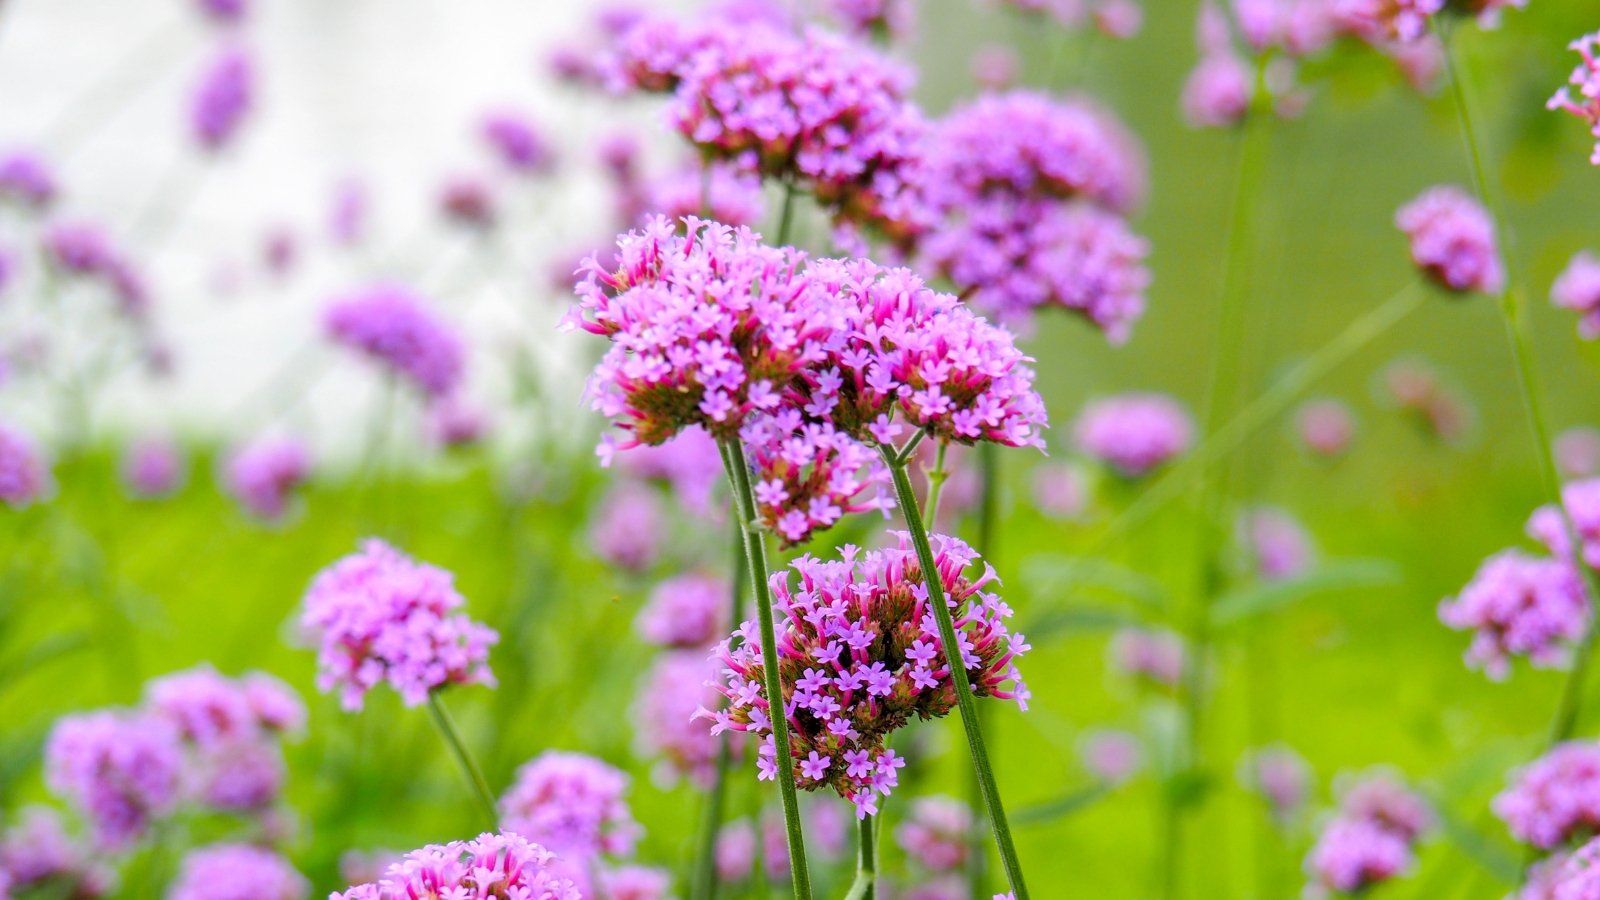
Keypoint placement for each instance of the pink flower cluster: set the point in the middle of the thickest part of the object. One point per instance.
(1519, 605)
(1371, 839)
(1326, 427)
(24, 475)
(379, 616)
(573, 804)
(1282, 778)
(1586, 79)
(1555, 798)
(1134, 433)
(1577, 452)
(677, 686)
(237, 872)
(1383, 21)
(1453, 240)
(719, 191)
(628, 527)
(395, 327)
(860, 655)
(222, 98)
(1576, 877)
(1578, 289)
(878, 19)
(935, 833)
(36, 851)
(25, 179)
(517, 143)
(231, 729)
(1158, 656)
(493, 865)
(686, 611)
(1279, 544)
(84, 251)
(153, 467)
(263, 475)
(122, 769)
(808, 475)
(814, 108)
(1111, 756)
(1582, 501)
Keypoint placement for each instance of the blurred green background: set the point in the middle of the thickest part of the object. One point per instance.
(100, 593)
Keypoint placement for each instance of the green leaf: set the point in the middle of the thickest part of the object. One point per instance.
(1061, 807)
(1078, 619)
(1260, 599)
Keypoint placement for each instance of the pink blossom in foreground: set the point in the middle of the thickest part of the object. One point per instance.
(935, 833)
(807, 477)
(1134, 433)
(237, 872)
(861, 655)
(395, 327)
(492, 865)
(572, 803)
(1453, 240)
(120, 769)
(1326, 427)
(1578, 288)
(686, 611)
(263, 475)
(380, 616)
(36, 851)
(1555, 798)
(1577, 452)
(24, 473)
(1585, 80)
(1582, 501)
(153, 467)
(674, 689)
(1519, 605)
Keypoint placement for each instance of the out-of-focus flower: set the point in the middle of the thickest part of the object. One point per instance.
(1578, 289)
(121, 769)
(995, 66)
(1453, 240)
(210, 710)
(689, 464)
(860, 656)
(1279, 544)
(717, 191)
(1111, 756)
(280, 249)
(1382, 21)
(1519, 605)
(456, 422)
(935, 833)
(224, 12)
(573, 804)
(493, 865)
(222, 98)
(379, 615)
(517, 143)
(882, 20)
(673, 690)
(360, 866)
(264, 474)
(470, 201)
(1060, 490)
(1582, 500)
(1217, 93)
(1575, 877)
(636, 883)
(394, 326)
(1326, 427)
(1555, 798)
(628, 528)
(347, 213)
(1113, 18)
(686, 611)
(36, 851)
(26, 179)
(153, 467)
(1416, 389)
(1134, 433)
(1352, 855)
(1281, 777)
(1577, 452)
(1158, 656)
(1382, 799)
(24, 474)
(237, 872)
(1586, 79)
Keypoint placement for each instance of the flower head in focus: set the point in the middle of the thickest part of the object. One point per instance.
(1586, 80)
(492, 865)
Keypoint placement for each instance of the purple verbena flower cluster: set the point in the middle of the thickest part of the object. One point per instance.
(1371, 840)
(517, 142)
(1519, 605)
(676, 687)
(380, 616)
(1134, 433)
(1582, 502)
(1555, 798)
(27, 180)
(153, 467)
(84, 251)
(807, 475)
(222, 98)
(231, 729)
(263, 475)
(492, 865)
(860, 655)
(1453, 240)
(121, 768)
(935, 833)
(1578, 289)
(1586, 80)
(24, 472)
(237, 872)
(573, 804)
(395, 327)
(1156, 656)
(686, 611)
(36, 852)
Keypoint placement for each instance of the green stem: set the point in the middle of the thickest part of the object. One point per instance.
(937, 476)
(865, 885)
(1514, 312)
(704, 886)
(958, 673)
(464, 761)
(786, 214)
(988, 515)
(755, 553)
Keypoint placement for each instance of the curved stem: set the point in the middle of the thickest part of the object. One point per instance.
(756, 556)
(704, 882)
(1514, 312)
(469, 767)
(865, 885)
(958, 673)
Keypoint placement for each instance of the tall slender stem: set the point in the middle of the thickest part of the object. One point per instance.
(464, 761)
(704, 883)
(865, 886)
(988, 515)
(786, 213)
(958, 673)
(755, 553)
(937, 476)
(1222, 391)
(1514, 311)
